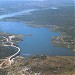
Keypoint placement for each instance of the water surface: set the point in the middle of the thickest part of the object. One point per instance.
(38, 43)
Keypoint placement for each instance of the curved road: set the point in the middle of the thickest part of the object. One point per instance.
(9, 40)
(7, 62)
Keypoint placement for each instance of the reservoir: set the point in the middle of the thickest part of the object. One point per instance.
(37, 44)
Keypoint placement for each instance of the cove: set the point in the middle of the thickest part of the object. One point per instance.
(37, 44)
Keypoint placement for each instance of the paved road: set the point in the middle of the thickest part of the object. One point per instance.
(7, 62)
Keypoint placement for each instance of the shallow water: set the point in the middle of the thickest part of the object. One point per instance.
(38, 43)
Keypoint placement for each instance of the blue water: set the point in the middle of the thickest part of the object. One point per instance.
(38, 43)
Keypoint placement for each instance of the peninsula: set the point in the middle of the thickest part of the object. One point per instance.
(7, 41)
(32, 65)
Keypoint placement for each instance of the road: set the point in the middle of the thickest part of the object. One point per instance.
(7, 62)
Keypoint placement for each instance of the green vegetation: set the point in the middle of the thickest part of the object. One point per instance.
(60, 20)
(62, 16)
(6, 51)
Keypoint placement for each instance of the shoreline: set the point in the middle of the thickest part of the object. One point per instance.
(8, 61)
(12, 45)
(37, 64)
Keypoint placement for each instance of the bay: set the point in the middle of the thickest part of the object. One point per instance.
(37, 44)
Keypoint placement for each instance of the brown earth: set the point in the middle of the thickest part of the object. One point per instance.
(45, 65)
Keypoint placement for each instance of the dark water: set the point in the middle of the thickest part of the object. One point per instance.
(38, 43)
